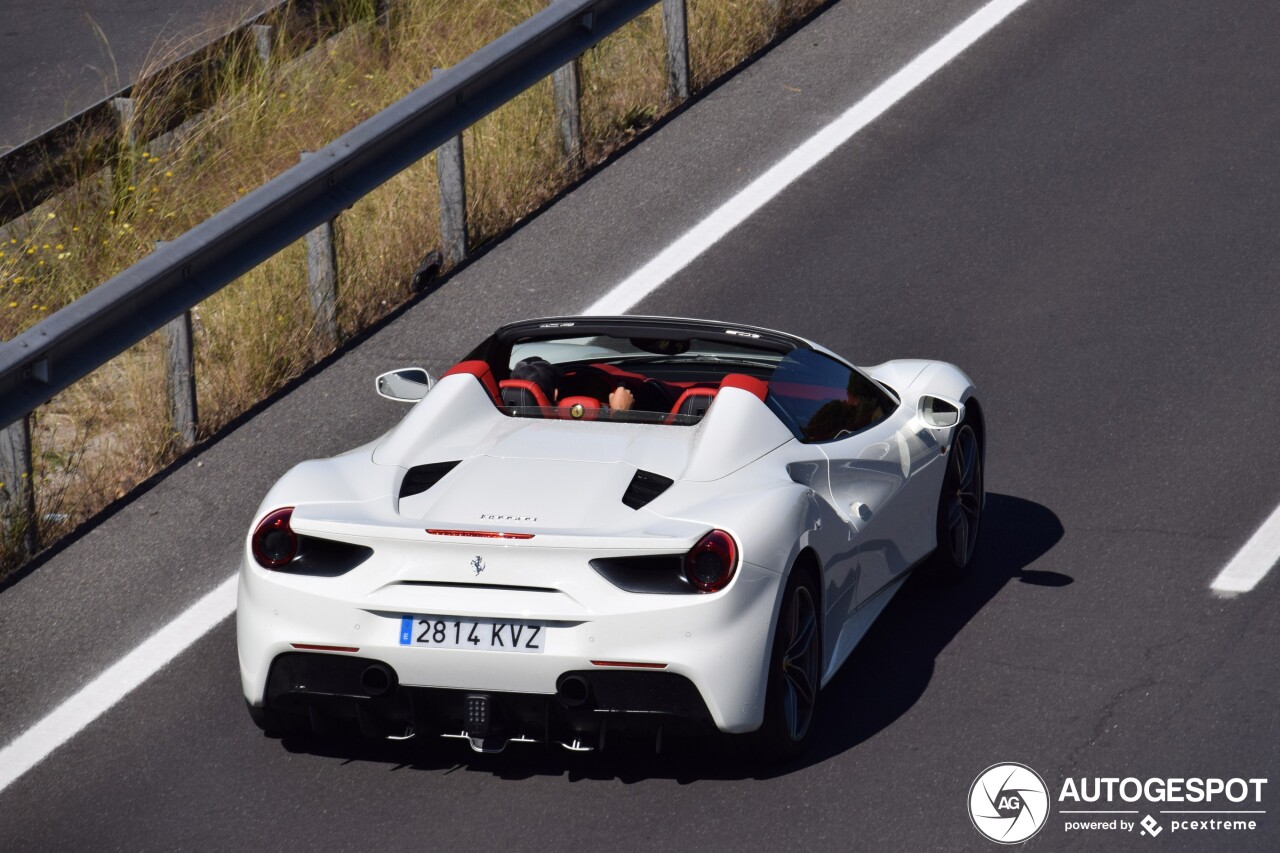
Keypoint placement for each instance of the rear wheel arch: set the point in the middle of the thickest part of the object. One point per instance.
(807, 561)
(973, 413)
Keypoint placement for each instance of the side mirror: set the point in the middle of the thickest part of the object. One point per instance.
(939, 412)
(406, 385)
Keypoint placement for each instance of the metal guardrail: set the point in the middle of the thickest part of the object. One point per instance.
(39, 168)
(158, 290)
(105, 322)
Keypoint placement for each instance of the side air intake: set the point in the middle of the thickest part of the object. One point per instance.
(422, 477)
(645, 486)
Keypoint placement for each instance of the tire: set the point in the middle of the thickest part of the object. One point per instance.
(960, 505)
(795, 673)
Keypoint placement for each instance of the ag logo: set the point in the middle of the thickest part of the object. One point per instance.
(1008, 803)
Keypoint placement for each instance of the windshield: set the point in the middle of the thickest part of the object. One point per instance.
(635, 380)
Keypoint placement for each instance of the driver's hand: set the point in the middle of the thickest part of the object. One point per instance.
(620, 399)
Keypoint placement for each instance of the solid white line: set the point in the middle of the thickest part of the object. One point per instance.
(1252, 562)
(755, 195)
(117, 681)
(33, 745)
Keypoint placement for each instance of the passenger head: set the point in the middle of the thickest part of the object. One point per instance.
(540, 372)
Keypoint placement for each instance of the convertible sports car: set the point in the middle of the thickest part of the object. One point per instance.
(520, 561)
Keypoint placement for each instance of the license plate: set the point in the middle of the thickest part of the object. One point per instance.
(489, 635)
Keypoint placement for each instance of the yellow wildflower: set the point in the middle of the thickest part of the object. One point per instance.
(168, 174)
(59, 247)
(51, 216)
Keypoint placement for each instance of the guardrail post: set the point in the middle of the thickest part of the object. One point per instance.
(180, 378)
(125, 111)
(322, 279)
(262, 43)
(17, 492)
(675, 23)
(565, 84)
(451, 175)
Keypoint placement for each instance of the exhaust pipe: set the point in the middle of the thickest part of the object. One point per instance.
(573, 691)
(378, 680)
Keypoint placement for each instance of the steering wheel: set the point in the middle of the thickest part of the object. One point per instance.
(579, 408)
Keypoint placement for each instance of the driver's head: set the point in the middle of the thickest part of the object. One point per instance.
(540, 372)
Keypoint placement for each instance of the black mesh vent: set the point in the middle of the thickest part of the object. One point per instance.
(645, 486)
(422, 477)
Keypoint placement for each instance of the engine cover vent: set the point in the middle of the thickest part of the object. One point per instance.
(645, 486)
(422, 477)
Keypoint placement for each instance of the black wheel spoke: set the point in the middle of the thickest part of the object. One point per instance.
(800, 642)
(801, 683)
(798, 663)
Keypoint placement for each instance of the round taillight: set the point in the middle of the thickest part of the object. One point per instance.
(274, 542)
(710, 564)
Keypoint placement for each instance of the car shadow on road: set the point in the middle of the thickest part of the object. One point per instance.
(884, 677)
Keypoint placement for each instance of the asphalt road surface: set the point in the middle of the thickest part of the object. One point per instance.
(59, 57)
(1080, 211)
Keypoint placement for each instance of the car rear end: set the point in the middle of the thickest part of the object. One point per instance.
(500, 630)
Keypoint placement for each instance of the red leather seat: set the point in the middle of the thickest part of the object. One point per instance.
(694, 401)
(480, 370)
(523, 393)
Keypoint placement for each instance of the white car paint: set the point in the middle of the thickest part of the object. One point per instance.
(865, 505)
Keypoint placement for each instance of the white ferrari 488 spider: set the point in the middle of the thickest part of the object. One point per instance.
(604, 523)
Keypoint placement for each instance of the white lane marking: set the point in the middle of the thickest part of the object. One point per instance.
(117, 681)
(33, 745)
(755, 195)
(1252, 562)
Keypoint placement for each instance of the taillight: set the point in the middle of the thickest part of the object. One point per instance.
(710, 564)
(274, 542)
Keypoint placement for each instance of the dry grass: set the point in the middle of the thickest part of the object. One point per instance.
(98, 439)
